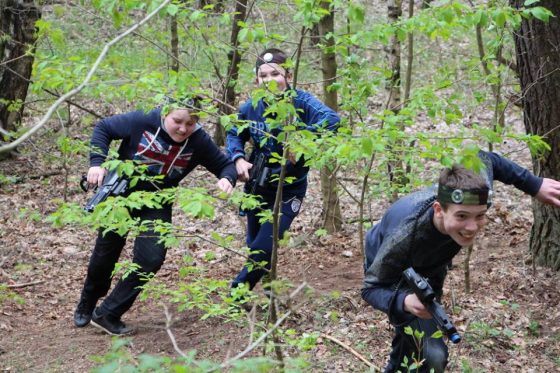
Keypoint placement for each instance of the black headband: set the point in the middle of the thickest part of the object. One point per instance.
(464, 196)
(270, 57)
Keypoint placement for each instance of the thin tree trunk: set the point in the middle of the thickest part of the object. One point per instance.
(395, 167)
(496, 87)
(409, 55)
(332, 217)
(174, 44)
(234, 58)
(538, 60)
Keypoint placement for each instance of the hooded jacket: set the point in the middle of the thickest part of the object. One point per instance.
(145, 141)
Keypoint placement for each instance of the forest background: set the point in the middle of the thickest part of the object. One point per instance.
(417, 84)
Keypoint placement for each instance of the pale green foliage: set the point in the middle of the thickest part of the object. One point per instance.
(7, 179)
(9, 296)
(413, 362)
(447, 91)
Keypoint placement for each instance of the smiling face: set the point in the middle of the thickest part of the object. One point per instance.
(461, 222)
(180, 124)
(272, 71)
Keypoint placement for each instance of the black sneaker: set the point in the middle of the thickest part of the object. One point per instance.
(84, 309)
(110, 324)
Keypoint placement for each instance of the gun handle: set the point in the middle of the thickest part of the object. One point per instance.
(84, 183)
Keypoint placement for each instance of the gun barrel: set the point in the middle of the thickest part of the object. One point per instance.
(426, 295)
(443, 322)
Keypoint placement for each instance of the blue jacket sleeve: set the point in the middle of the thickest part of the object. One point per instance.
(235, 140)
(314, 113)
(511, 173)
(108, 129)
(386, 300)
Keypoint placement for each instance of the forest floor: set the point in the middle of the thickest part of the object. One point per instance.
(509, 321)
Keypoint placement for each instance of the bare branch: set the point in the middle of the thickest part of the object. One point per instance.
(170, 333)
(25, 284)
(76, 90)
(351, 350)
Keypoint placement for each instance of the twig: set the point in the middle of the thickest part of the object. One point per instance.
(25, 284)
(351, 350)
(83, 108)
(46, 174)
(89, 76)
(170, 333)
(255, 344)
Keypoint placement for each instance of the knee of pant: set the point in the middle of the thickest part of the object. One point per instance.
(260, 251)
(152, 265)
(435, 355)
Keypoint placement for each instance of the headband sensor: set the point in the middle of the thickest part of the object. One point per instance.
(464, 196)
(269, 57)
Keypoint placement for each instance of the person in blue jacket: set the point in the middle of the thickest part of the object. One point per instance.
(312, 115)
(170, 142)
(425, 230)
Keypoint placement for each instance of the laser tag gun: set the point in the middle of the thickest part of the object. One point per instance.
(427, 296)
(258, 174)
(113, 185)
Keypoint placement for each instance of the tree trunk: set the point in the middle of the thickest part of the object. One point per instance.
(395, 167)
(234, 58)
(536, 45)
(17, 38)
(332, 217)
(174, 43)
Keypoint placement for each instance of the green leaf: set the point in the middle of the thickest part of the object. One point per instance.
(500, 18)
(541, 13)
(321, 232)
(172, 9)
(242, 36)
(356, 13)
(367, 145)
(530, 2)
(448, 15)
(437, 334)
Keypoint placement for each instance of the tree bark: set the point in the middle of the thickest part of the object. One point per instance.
(234, 58)
(537, 44)
(332, 217)
(174, 43)
(395, 167)
(17, 38)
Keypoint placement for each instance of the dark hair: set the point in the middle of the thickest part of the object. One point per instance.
(276, 56)
(459, 185)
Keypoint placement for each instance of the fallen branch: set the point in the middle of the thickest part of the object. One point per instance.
(66, 96)
(351, 350)
(25, 284)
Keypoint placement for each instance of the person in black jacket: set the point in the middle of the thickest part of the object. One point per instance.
(425, 230)
(170, 142)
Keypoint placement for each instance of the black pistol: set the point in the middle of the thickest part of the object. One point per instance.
(113, 185)
(427, 296)
(258, 174)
